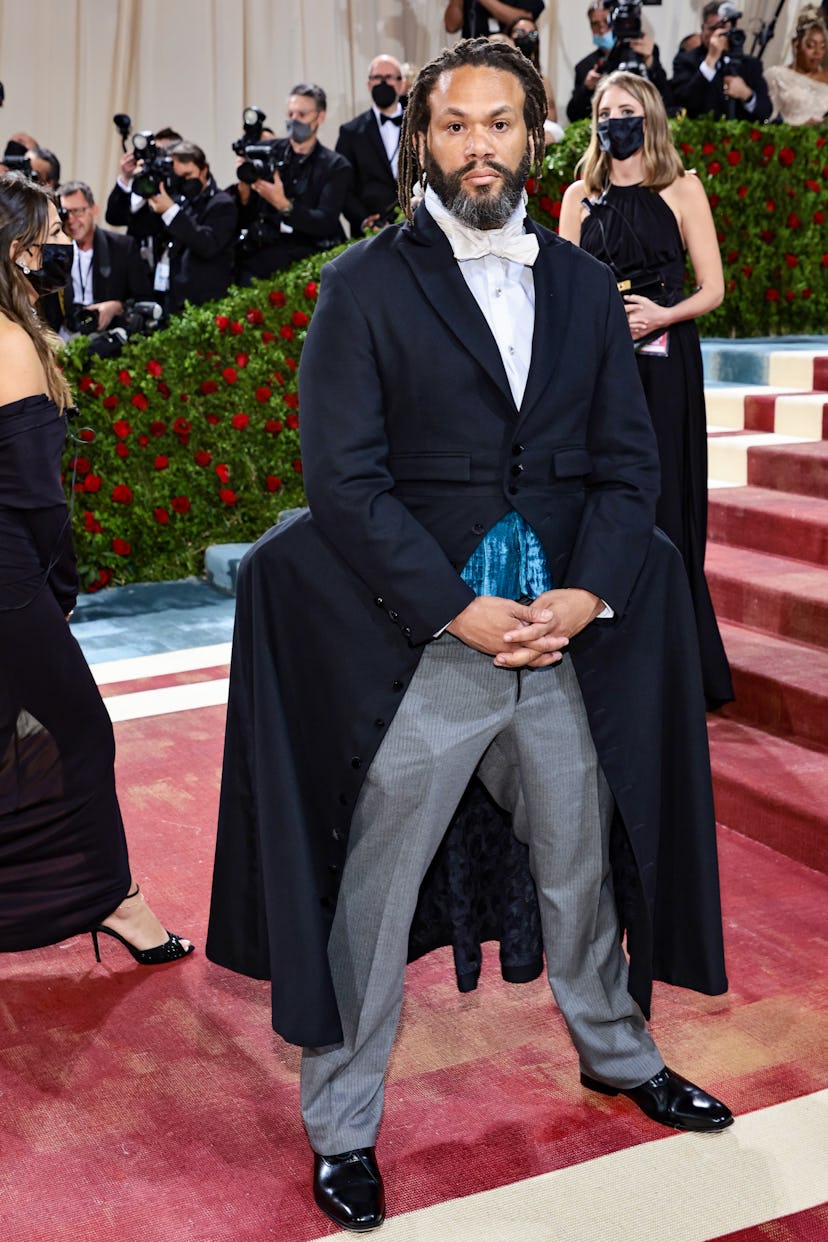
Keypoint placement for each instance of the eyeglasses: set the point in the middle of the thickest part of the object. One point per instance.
(74, 211)
(385, 77)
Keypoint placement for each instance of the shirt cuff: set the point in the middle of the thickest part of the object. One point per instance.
(126, 186)
(606, 613)
(169, 215)
(750, 106)
(706, 71)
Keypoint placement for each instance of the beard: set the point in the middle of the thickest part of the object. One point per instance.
(486, 207)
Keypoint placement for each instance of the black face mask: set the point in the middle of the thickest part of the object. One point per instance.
(187, 188)
(527, 43)
(55, 269)
(383, 94)
(622, 136)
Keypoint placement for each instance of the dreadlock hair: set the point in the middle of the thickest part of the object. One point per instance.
(479, 54)
(24, 218)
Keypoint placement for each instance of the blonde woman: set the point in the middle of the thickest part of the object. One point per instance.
(638, 210)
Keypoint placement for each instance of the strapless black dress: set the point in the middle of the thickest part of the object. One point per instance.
(638, 230)
(63, 854)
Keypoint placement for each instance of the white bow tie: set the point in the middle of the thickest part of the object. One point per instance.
(476, 243)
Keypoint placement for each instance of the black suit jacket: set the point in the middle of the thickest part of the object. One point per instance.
(374, 186)
(202, 237)
(691, 89)
(412, 449)
(579, 107)
(476, 18)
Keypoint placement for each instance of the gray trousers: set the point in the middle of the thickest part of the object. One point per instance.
(527, 736)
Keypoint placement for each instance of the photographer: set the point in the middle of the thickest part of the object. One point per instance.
(613, 53)
(127, 209)
(200, 223)
(106, 267)
(371, 145)
(299, 194)
(717, 77)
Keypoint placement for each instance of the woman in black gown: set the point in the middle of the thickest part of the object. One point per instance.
(63, 856)
(637, 209)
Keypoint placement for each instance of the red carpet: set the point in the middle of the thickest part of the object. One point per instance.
(157, 1106)
(802, 1227)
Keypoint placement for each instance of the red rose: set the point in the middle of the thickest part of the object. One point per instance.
(82, 465)
(254, 316)
(121, 428)
(121, 449)
(742, 191)
(299, 319)
(227, 496)
(157, 428)
(92, 483)
(556, 210)
(154, 368)
(312, 288)
(297, 466)
(273, 483)
(278, 377)
(85, 383)
(771, 295)
(292, 421)
(86, 434)
(531, 185)
(290, 363)
(139, 401)
(819, 217)
(821, 142)
(786, 156)
(161, 462)
(111, 402)
(181, 427)
(267, 337)
(789, 295)
(98, 389)
(242, 360)
(208, 386)
(734, 157)
(708, 148)
(732, 256)
(181, 504)
(286, 332)
(546, 204)
(687, 149)
(163, 389)
(813, 185)
(91, 523)
(223, 472)
(273, 426)
(747, 271)
(714, 168)
(768, 150)
(124, 378)
(714, 200)
(222, 323)
(794, 221)
(291, 399)
(143, 441)
(755, 135)
(161, 515)
(791, 260)
(263, 394)
(213, 419)
(806, 293)
(240, 421)
(202, 457)
(121, 494)
(120, 547)
(770, 205)
(236, 328)
(766, 235)
(276, 297)
(230, 375)
(184, 396)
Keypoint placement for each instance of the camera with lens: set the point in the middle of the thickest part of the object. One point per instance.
(82, 319)
(625, 23)
(155, 165)
(259, 161)
(137, 318)
(732, 60)
(19, 163)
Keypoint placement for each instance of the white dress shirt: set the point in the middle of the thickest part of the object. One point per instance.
(390, 135)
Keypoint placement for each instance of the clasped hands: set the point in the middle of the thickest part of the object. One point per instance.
(643, 315)
(525, 635)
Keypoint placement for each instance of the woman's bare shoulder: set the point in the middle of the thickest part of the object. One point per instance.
(21, 371)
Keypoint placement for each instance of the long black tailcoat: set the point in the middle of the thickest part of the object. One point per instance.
(413, 449)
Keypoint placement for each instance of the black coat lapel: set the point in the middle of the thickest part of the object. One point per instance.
(428, 253)
(553, 295)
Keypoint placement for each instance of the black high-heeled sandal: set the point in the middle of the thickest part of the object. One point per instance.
(170, 951)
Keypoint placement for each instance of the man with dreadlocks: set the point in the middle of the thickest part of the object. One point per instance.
(477, 589)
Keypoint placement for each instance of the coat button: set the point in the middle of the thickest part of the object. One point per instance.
(379, 722)
(356, 762)
(379, 601)
(516, 470)
(478, 529)
(336, 833)
(395, 616)
(397, 685)
(517, 449)
(407, 631)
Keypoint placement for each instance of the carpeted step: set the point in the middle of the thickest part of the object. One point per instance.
(770, 593)
(780, 685)
(800, 468)
(771, 790)
(728, 451)
(804, 369)
(770, 521)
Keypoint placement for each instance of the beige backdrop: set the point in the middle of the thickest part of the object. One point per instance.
(69, 65)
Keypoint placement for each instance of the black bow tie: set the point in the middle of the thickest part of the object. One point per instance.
(394, 120)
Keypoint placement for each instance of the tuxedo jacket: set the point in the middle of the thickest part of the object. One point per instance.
(692, 91)
(374, 186)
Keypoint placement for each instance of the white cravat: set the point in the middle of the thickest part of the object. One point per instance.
(508, 242)
(501, 285)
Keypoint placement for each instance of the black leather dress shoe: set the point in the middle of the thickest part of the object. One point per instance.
(672, 1100)
(348, 1188)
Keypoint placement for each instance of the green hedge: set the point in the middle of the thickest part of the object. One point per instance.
(196, 427)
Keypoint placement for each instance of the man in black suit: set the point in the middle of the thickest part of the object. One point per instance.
(608, 55)
(705, 82)
(132, 212)
(482, 474)
(107, 268)
(296, 211)
(200, 225)
(371, 145)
